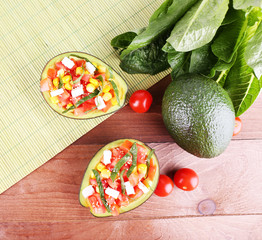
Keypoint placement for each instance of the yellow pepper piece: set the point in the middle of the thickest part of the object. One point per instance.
(92, 175)
(94, 82)
(114, 101)
(54, 100)
(66, 79)
(107, 96)
(90, 87)
(106, 89)
(101, 69)
(56, 82)
(105, 173)
(69, 105)
(142, 168)
(79, 70)
(68, 86)
(100, 166)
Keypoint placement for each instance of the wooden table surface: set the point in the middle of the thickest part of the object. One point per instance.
(44, 205)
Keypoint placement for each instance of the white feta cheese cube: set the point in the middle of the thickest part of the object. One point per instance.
(107, 157)
(77, 91)
(90, 67)
(112, 192)
(100, 104)
(143, 187)
(88, 191)
(57, 92)
(129, 188)
(60, 72)
(68, 63)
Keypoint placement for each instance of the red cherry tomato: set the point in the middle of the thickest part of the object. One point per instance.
(186, 179)
(165, 186)
(140, 101)
(238, 126)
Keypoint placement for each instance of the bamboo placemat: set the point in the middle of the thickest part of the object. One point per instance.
(32, 32)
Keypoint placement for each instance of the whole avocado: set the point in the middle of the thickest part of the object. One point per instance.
(199, 115)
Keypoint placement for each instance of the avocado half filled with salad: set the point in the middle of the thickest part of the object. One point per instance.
(81, 86)
(120, 177)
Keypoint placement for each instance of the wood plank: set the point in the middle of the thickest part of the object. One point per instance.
(149, 127)
(230, 227)
(233, 180)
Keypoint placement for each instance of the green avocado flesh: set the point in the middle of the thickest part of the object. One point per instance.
(92, 165)
(118, 80)
(199, 115)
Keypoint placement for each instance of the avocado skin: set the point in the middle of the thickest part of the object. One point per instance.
(199, 115)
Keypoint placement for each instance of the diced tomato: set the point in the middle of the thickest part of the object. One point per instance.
(75, 100)
(117, 154)
(79, 111)
(115, 185)
(122, 200)
(86, 77)
(59, 65)
(112, 204)
(127, 144)
(134, 179)
(141, 154)
(64, 98)
(80, 63)
(151, 171)
(51, 73)
(93, 182)
(138, 193)
(96, 204)
(46, 84)
(108, 105)
(103, 75)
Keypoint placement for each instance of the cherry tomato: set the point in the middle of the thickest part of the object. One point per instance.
(140, 101)
(165, 186)
(186, 179)
(238, 126)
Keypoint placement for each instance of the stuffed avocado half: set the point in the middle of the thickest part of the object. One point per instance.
(120, 177)
(79, 85)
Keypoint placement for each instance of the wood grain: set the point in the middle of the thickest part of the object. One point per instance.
(44, 205)
(198, 228)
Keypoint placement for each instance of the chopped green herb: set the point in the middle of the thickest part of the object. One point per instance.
(81, 101)
(79, 79)
(148, 160)
(123, 188)
(113, 84)
(118, 166)
(60, 82)
(101, 190)
(100, 78)
(133, 151)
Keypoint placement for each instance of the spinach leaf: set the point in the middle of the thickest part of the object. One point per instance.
(244, 4)
(159, 25)
(231, 16)
(182, 66)
(123, 40)
(161, 10)
(149, 59)
(230, 38)
(202, 60)
(253, 53)
(199, 25)
(241, 84)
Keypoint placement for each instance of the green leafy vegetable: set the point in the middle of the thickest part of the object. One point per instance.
(199, 25)
(241, 84)
(253, 53)
(244, 4)
(101, 190)
(230, 38)
(133, 151)
(161, 22)
(123, 40)
(118, 166)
